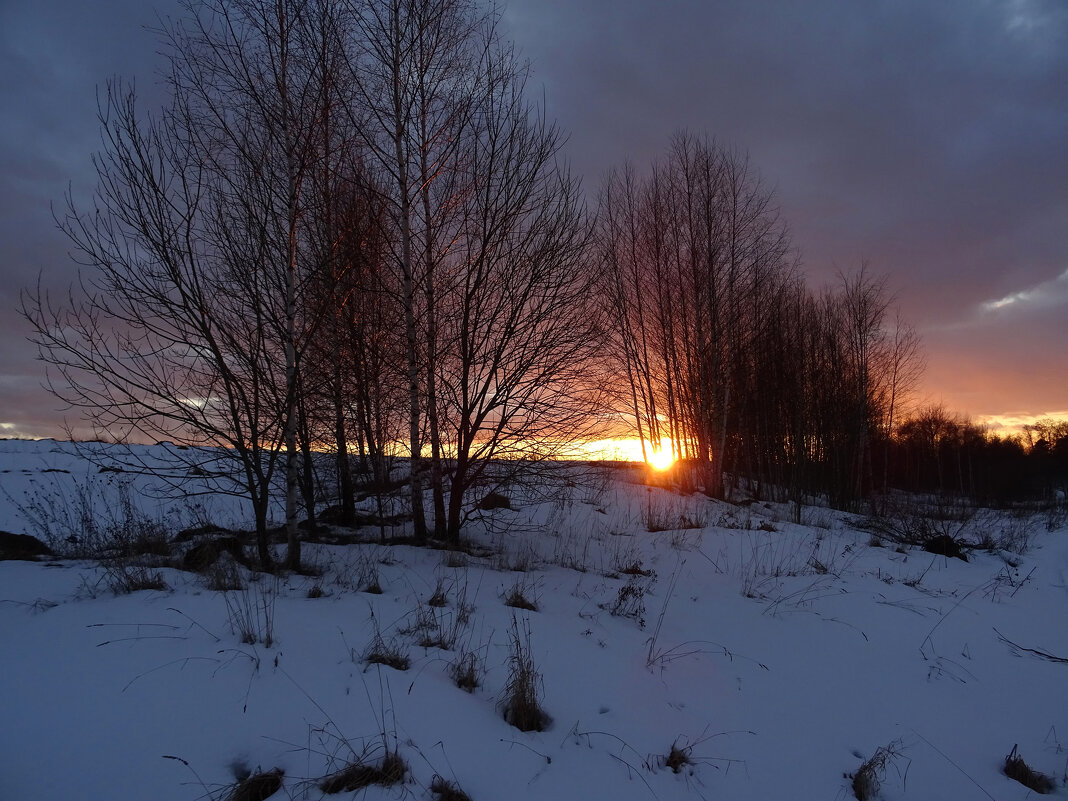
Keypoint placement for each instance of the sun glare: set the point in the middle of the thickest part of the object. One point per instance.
(661, 458)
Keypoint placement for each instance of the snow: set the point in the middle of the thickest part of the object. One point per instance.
(778, 657)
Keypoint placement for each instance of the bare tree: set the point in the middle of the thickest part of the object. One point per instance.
(196, 304)
(692, 255)
(410, 76)
(517, 358)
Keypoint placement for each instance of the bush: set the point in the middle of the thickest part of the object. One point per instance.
(22, 547)
(95, 519)
(435, 627)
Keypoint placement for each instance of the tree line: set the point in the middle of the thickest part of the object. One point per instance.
(721, 346)
(350, 231)
(935, 452)
(762, 386)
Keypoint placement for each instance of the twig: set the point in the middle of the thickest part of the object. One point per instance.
(1036, 651)
(168, 664)
(636, 772)
(954, 764)
(183, 614)
(651, 656)
(548, 759)
(207, 792)
(144, 637)
(942, 620)
(1025, 580)
(623, 743)
(138, 625)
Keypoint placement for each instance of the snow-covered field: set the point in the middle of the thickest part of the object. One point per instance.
(774, 658)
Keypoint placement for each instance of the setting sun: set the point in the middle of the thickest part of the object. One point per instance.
(662, 457)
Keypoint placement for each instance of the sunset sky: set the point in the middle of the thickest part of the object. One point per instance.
(930, 139)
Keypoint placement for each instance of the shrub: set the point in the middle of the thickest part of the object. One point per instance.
(1014, 535)
(455, 559)
(22, 547)
(379, 652)
(657, 517)
(223, 575)
(439, 598)
(494, 500)
(360, 574)
(633, 568)
(94, 519)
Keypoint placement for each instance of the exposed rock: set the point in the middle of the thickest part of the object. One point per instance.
(22, 546)
(944, 545)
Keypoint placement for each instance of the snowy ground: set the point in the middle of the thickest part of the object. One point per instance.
(776, 658)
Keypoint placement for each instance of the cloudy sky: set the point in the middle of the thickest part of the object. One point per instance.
(928, 138)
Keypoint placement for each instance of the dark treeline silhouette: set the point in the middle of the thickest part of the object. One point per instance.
(762, 384)
(719, 345)
(934, 452)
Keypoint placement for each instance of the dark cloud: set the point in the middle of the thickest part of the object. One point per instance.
(54, 54)
(928, 138)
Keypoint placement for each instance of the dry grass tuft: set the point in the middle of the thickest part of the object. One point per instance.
(521, 701)
(440, 597)
(447, 791)
(677, 758)
(1016, 768)
(630, 601)
(223, 575)
(390, 771)
(466, 671)
(380, 652)
(869, 777)
(517, 599)
(124, 578)
(258, 786)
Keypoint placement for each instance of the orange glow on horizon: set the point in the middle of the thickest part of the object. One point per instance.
(628, 449)
(661, 458)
